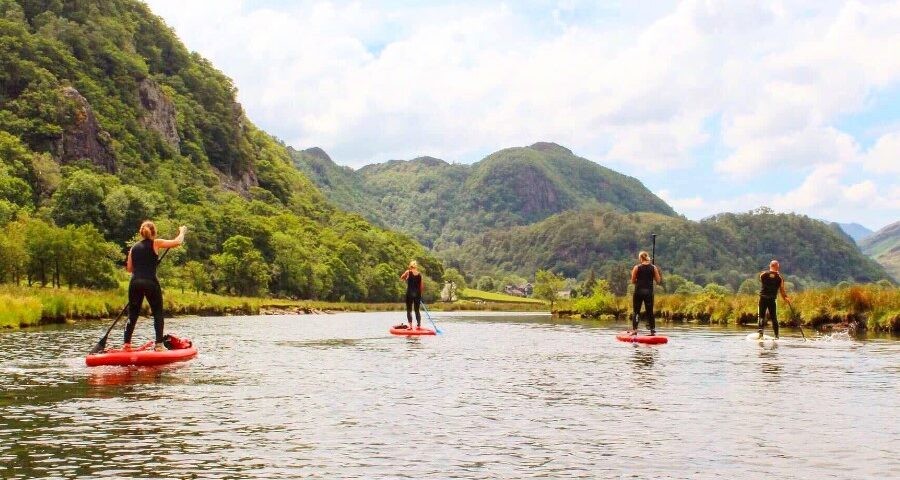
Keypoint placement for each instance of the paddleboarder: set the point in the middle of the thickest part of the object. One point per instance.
(143, 259)
(771, 284)
(642, 276)
(415, 287)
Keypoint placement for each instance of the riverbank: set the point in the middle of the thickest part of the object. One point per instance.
(858, 307)
(29, 306)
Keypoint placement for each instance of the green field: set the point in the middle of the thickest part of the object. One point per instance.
(472, 294)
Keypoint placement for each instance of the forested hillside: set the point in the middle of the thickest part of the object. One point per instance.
(884, 247)
(443, 204)
(725, 249)
(106, 119)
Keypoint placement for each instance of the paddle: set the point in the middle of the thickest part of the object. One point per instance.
(653, 280)
(436, 329)
(101, 345)
(799, 322)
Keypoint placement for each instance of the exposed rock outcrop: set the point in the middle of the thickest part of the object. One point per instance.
(158, 112)
(84, 138)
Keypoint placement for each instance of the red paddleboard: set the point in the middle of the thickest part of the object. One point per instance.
(412, 331)
(143, 356)
(648, 339)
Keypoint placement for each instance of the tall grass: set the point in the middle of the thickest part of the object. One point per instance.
(18, 312)
(25, 306)
(866, 306)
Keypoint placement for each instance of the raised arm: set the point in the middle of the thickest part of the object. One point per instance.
(405, 275)
(175, 242)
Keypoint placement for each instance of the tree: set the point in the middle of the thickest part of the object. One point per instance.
(485, 284)
(717, 289)
(126, 207)
(749, 286)
(587, 288)
(293, 265)
(618, 276)
(195, 274)
(688, 288)
(79, 199)
(673, 282)
(240, 268)
(547, 286)
(14, 256)
(383, 284)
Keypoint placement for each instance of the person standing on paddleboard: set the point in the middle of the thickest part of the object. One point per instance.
(415, 287)
(771, 284)
(143, 259)
(642, 276)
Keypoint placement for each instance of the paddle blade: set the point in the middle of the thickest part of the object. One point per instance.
(100, 346)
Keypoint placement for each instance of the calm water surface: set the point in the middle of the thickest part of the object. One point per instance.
(495, 397)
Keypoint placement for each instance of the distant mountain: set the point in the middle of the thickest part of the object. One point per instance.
(442, 204)
(856, 231)
(884, 247)
(725, 249)
(528, 208)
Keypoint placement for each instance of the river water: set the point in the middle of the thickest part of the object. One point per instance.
(496, 396)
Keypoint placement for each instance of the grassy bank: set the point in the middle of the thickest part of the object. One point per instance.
(863, 306)
(27, 306)
(479, 295)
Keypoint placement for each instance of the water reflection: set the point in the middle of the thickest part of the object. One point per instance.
(118, 376)
(644, 358)
(770, 364)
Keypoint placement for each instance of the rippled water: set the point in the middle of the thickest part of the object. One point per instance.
(495, 397)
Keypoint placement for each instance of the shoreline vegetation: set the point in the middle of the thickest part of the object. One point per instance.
(856, 308)
(22, 306)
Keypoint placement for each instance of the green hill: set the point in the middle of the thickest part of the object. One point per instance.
(725, 249)
(107, 119)
(443, 204)
(884, 247)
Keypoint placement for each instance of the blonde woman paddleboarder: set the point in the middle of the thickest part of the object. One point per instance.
(415, 287)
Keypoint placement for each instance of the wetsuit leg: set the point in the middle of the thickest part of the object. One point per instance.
(154, 298)
(417, 301)
(767, 304)
(409, 305)
(135, 299)
(651, 318)
(636, 309)
(774, 314)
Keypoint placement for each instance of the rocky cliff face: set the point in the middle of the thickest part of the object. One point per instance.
(84, 138)
(158, 112)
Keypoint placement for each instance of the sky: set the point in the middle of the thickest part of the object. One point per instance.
(714, 105)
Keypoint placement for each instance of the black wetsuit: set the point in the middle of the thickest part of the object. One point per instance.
(643, 294)
(144, 284)
(770, 286)
(413, 297)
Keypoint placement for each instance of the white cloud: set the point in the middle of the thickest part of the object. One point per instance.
(768, 83)
(884, 156)
(823, 194)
